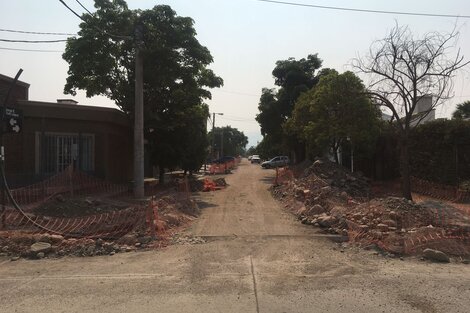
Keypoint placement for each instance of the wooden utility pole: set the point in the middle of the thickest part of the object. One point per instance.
(139, 118)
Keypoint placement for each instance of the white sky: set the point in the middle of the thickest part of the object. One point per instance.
(245, 37)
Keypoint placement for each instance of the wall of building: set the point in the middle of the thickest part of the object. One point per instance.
(112, 140)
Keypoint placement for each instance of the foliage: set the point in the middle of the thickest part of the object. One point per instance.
(441, 151)
(336, 110)
(293, 77)
(176, 75)
(403, 70)
(462, 111)
(229, 140)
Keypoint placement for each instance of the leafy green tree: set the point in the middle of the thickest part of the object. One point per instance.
(176, 74)
(293, 78)
(230, 141)
(335, 111)
(463, 111)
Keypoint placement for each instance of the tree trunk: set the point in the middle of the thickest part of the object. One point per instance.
(161, 175)
(405, 169)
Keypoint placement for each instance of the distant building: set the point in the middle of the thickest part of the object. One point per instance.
(58, 134)
(423, 112)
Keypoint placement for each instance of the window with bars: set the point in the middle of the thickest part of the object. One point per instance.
(57, 151)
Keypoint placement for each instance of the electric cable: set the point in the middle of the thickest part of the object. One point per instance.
(78, 1)
(30, 50)
(33, 41)
(35, 33)
(363, 10)
(97, 28)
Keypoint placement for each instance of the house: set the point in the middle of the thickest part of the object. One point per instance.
(56, 135)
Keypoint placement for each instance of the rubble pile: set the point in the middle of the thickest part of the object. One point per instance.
(170, 211)
(330, 197)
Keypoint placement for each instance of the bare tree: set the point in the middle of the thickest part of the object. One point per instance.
(403, 70)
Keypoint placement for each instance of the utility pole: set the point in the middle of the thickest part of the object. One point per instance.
(139, 117)
(222, 143)
(213, 134)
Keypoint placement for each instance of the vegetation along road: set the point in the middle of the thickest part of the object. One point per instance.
(254, 258)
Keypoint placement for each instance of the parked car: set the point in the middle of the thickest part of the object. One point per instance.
(255, 159)
(224, 159)
(278, 161)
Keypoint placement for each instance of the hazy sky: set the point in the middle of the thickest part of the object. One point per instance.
(245, 37)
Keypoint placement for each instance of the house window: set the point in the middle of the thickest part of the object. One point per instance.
(57, 151)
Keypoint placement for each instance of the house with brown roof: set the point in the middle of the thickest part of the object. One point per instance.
(55, 135)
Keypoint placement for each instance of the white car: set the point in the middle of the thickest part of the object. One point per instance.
(255, 159)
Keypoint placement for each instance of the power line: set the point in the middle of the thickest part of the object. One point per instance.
(71, 10)
(97, 28)
(364, 10)
(32, 41)
(78, 1)
(30, 50)
(35, 33)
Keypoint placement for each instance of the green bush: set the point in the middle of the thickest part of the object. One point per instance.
(440, 151)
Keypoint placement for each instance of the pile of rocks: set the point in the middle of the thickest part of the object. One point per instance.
(40, 246)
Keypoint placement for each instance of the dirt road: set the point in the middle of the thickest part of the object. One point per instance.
(256, 258)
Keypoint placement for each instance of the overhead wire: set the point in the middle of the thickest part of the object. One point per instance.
(97, 28)
(363, 10)
(32, 41)
(36, 33)
(78, 1)
(30, 50)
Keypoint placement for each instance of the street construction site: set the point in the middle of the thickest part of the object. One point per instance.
(75, 214)
(239, 250)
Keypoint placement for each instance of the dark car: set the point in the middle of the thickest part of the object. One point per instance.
(223, 160)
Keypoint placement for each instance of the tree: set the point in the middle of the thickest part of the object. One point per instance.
(463, 111)
(230, 141)
(176, 75)
(336, 110)
(404, 70)
(293, 78)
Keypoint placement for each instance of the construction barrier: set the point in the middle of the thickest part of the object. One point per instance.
(121, 219)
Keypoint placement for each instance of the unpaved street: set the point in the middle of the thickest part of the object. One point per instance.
(256, 258)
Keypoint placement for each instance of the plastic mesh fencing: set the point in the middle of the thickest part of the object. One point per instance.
(114, 223)
(447, 230)
(283, 175)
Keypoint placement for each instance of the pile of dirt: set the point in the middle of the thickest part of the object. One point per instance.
(170, 211)
(328, 196)
(60, 206)
(323, 186)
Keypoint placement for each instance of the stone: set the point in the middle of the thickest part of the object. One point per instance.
(40, 255)
(382, 227)
(15, 258)
(316, 209)
(112, 253)
(40, 247)
(51, 238)
(5, 248)
(326, 221)
(144, 239)
(99, 242)
(390, 223)
(436, 255)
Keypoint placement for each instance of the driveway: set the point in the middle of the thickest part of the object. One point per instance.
(256, 258)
